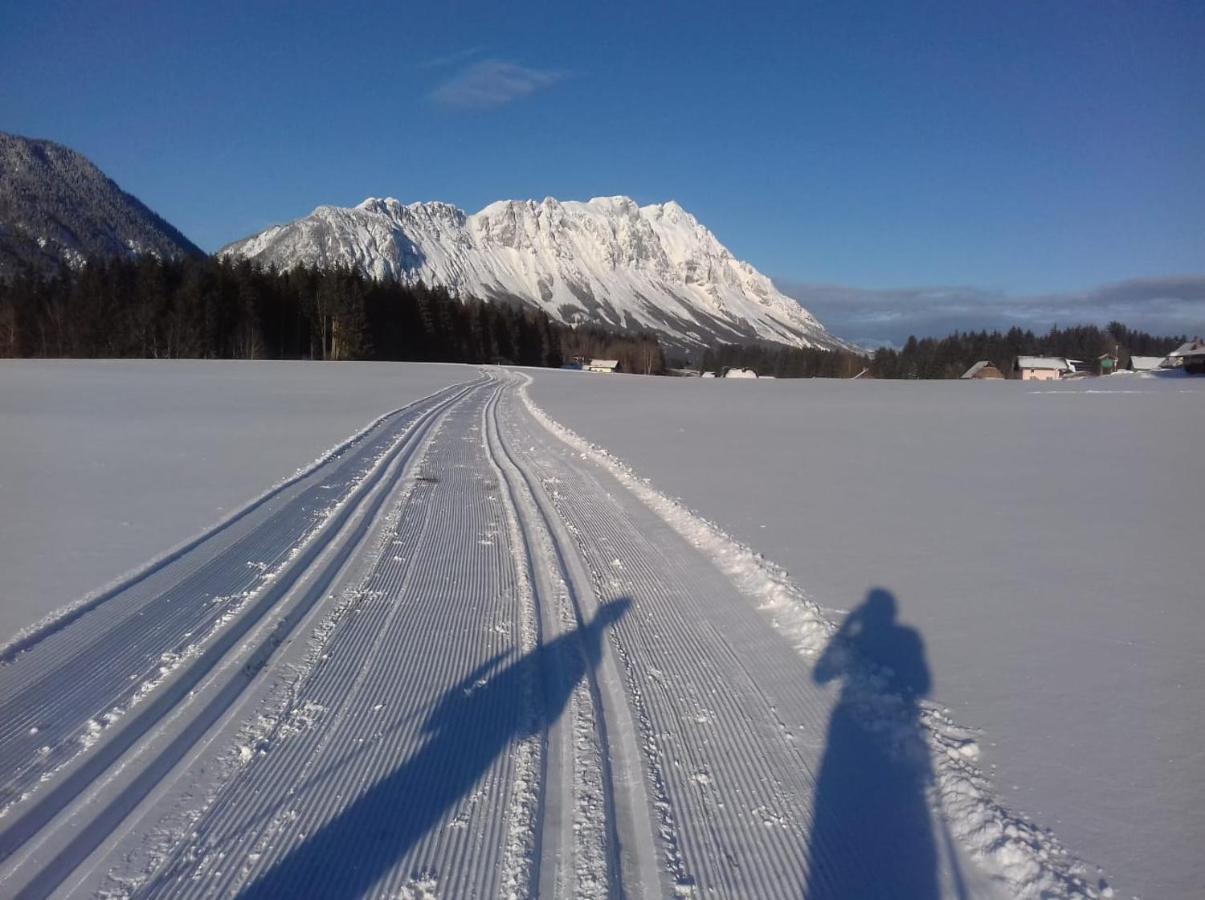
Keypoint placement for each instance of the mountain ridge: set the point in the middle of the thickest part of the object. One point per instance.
(604, 261)
(57, 206)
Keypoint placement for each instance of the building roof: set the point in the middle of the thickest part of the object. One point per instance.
(977, 368)
(1043, 362)
(604, 363)
(1194, 347)
(1145, 363)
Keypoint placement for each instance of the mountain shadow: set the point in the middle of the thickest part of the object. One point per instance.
(472, 725)
(872, 834)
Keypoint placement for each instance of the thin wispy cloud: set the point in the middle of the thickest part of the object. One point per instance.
(451, 59)
(491, 83)
(1170, 305)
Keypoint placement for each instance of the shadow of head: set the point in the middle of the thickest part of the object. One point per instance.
(892, 651)
(492, 683)
(611, 612)
(877, 611)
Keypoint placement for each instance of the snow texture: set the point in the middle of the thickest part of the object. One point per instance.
(106, 464)
(1043, 542)
(605, 261)
(569, 683)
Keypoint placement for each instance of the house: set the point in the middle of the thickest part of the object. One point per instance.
(737, 372)
(1146, 363)
(1041, 368)
(606, 366)
(1106, 363)
(983, 370)
(1190, 355)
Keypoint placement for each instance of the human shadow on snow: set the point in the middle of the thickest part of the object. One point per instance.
(471, 726)
(872, 834)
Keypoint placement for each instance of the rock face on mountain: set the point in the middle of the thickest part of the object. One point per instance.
(56, 206)
(606, 261)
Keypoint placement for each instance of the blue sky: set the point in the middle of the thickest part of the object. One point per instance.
(1010, 151)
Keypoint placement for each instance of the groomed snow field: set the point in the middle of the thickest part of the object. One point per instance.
(105, 464)
(1044, 539)
(406, 631)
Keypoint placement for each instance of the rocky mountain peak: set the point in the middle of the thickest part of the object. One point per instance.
(607, 260)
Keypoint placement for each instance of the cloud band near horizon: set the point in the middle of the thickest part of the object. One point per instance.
(1171, 305)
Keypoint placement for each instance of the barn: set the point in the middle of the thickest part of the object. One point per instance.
(1190, 355)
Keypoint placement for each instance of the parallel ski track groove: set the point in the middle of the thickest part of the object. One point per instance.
(632, 847)
(369, 615)
(562, 762)
(58, 622)
(160, 704)
(446, 552)
(756, 845)
(95, 666)
(614, 871)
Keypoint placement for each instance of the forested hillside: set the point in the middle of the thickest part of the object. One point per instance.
(209, 308)
(56, 206)
(212, 308)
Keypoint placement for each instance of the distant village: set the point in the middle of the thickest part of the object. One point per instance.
(610, 366)
(1188, 359)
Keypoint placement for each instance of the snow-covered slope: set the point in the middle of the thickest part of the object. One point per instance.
(606, 261)
(56, 206)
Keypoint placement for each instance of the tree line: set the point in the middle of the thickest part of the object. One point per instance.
(209, 308)
(950, 356)
(946, 357)
(780, 361)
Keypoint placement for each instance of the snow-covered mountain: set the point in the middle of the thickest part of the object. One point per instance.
(55, 205)
(606, 261)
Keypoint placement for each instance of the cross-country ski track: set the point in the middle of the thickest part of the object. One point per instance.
(469, 655)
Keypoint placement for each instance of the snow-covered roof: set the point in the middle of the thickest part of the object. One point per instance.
(977, 368)
(1044, 362)
(1145, 363)
(604, 363)
(1192, 348)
